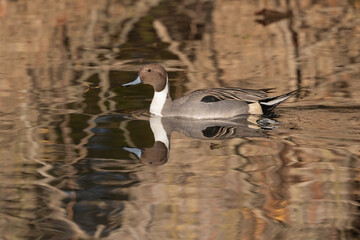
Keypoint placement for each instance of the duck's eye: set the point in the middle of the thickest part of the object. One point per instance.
(149, 70)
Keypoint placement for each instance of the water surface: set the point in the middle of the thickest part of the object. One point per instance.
(67, 126)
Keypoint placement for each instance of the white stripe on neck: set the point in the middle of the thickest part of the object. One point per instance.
(158, 130)
(159, 100)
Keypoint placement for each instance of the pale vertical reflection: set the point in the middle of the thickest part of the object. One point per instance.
(105, 93)
(106, 105)
(163, 34)
(123, 125)
(81, 150)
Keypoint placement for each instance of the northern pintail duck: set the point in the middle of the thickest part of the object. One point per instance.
(215, 103)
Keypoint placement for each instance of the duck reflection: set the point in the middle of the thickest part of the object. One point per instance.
(155, 155)
(162, 129)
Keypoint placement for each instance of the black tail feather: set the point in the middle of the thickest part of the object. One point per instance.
(268, 104)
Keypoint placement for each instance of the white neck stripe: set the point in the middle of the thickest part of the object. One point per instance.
(159, 100)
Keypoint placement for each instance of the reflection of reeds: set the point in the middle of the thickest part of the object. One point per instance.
(270, 189)
(243, 190)
(40, 44)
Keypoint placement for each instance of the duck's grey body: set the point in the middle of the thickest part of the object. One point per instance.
(215, 103)
(192, 106)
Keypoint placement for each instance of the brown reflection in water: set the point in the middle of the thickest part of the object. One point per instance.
(245, 190)
(236, 51)
(45, 47)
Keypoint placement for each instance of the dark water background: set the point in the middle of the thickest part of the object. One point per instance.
(65, 120)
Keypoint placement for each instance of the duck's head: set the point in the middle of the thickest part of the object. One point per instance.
(152, 74)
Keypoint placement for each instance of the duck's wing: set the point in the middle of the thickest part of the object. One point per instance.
(238, 94)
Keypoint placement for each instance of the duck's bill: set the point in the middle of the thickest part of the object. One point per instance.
(136, 151)
(136, 81)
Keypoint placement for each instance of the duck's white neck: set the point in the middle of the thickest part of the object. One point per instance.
(159, 100)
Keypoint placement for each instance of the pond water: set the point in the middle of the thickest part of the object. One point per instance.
(79, 158)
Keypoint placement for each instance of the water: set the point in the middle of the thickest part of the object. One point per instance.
(68, 128)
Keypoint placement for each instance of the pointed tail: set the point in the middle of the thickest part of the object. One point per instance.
(268, 104)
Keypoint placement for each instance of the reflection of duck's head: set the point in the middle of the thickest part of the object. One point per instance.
(155, 155)
(158, 154)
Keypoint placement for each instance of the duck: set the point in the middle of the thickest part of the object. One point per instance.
(214, 103)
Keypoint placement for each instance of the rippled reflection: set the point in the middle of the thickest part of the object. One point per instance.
(162, 129)
(65, 131)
